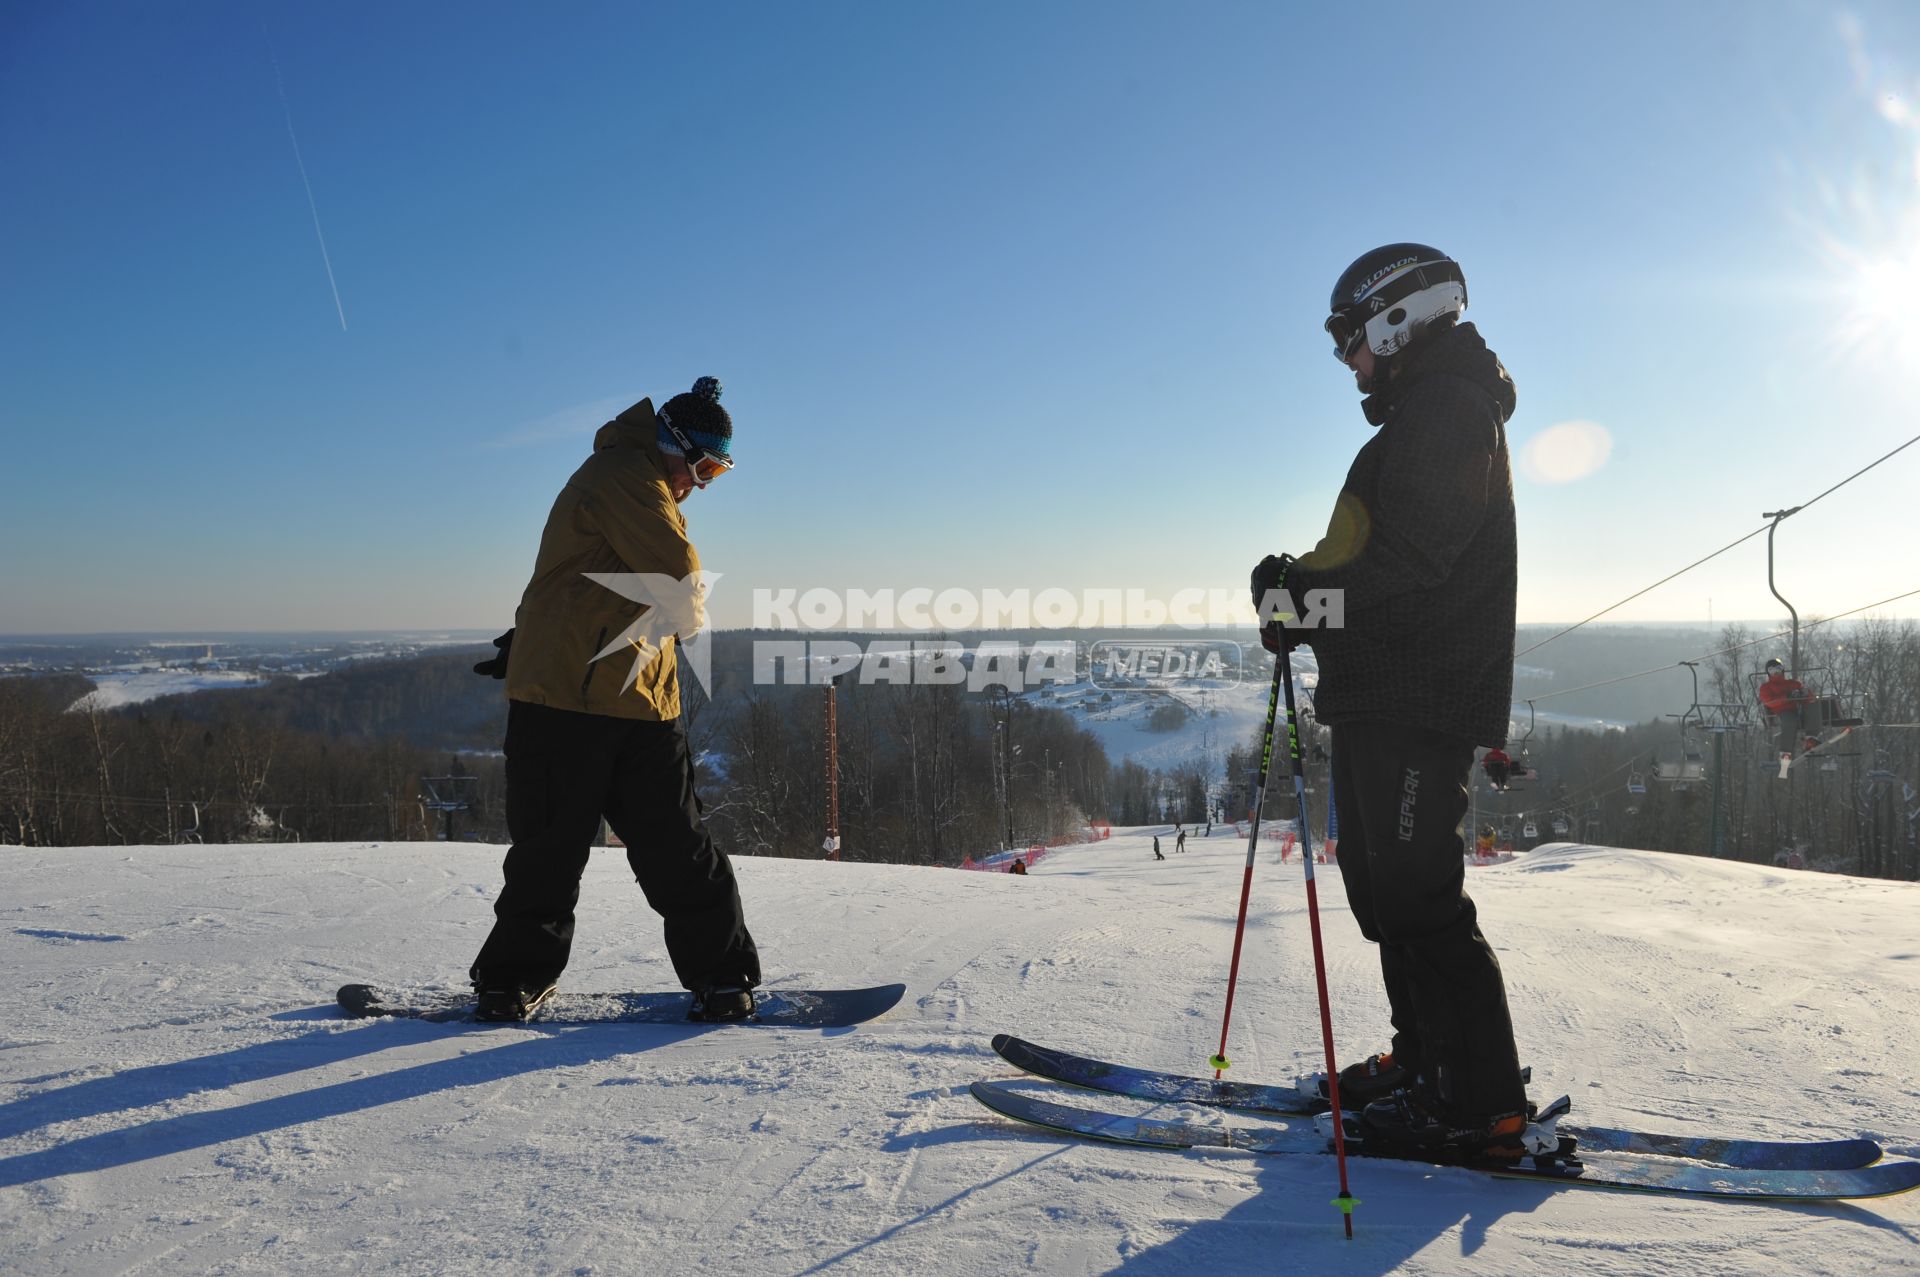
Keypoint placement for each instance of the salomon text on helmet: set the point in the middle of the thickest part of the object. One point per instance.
(1389, 295)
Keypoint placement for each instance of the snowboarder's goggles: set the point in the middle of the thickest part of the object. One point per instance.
(704, 464)
(1347, 331)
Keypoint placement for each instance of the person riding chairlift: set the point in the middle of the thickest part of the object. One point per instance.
(1501, 768)
(1799, 710)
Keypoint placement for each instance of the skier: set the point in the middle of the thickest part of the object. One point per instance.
(1180, 841)
(1019, 866)
(1422, 545)
(1209, 832)
(588, 737)
(1498, 767)
(1156, 848)
(1788, 700)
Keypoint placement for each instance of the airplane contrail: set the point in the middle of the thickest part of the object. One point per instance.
(287, 110)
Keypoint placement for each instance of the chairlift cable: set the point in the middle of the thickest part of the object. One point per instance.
(1764, 638)
(1716, 554)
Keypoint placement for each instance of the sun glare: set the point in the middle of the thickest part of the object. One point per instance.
(1872, 240)
(1883, 302)
(1565, 452)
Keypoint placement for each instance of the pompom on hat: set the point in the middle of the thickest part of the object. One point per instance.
(700, 417)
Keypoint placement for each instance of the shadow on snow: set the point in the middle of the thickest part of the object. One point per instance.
(556, 1047)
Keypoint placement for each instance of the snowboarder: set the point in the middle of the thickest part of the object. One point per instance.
(1180, 840)
(1422, 546)
(588, 737)
(1156, 848)
(1019, 866)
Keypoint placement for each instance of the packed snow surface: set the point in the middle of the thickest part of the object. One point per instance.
(177, 1094)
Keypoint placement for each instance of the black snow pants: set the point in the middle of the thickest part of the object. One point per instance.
(565, 770)
(1401, 795)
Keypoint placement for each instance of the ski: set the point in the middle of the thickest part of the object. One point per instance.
(1291, 1101)
(776, 1008)
(1787, 764)
(1647, 1175)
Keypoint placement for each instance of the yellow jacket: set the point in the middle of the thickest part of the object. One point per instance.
(616, 515)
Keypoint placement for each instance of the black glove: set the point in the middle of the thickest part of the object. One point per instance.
(1278, 639)
(1268, 575)
(496, 666)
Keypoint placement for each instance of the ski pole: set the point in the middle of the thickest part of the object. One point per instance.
(1220, 1061)
(1346, 1201)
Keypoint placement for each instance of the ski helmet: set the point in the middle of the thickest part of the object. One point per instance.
(1387, 297)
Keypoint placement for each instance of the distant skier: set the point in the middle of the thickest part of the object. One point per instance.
(1421, 546)
(1156, 848)
(1209, 832)
(1498, 766)
(1019, 866)
(1180, 841)
(588, 737)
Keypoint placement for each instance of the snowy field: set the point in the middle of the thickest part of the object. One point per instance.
(1225, 717)
(119, 688)
(178, 1096)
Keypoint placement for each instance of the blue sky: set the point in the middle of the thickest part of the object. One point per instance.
(1003, 295)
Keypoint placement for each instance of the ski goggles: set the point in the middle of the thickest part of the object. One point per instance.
(1348, 330)
(703, 463)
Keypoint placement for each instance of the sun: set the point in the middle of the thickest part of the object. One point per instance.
(1882, 300)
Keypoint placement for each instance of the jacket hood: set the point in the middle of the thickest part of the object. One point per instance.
(637, 426)
(1460, 351)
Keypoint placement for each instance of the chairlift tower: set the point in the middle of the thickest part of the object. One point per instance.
(831, 844)
(447, 795)
(1716, 719)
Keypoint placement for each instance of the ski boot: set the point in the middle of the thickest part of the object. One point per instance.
(1373, 1078)
(1412, 1124)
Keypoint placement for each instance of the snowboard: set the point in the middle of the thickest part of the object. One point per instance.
(773, 1008)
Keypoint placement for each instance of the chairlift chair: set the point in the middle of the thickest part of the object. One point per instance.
(1680, 774)
(1529, 832)
(1636, 783)
(1559, 826)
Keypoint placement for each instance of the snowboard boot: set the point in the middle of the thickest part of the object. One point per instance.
(1411, 1124)
(721, 1004)
(1373, 1078)
(511, 1002)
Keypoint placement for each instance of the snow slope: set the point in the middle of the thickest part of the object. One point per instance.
(1223, 717)
(177, 1096)
(120, 688)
